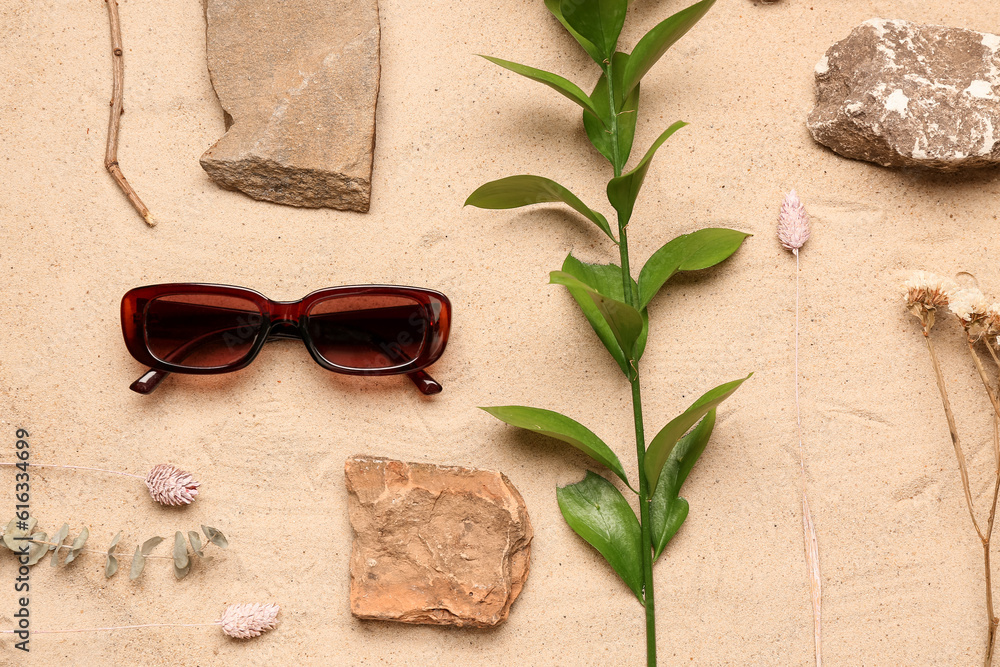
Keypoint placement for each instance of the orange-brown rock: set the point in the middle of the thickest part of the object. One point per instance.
(298, 83)
(434, 544)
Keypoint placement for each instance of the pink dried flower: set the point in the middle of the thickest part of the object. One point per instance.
(171, 486)
(244, 621)
(793, 224)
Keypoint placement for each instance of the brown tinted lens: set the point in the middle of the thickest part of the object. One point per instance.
(201, 330)
(374, 331)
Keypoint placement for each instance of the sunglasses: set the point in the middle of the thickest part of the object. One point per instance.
(357, 330)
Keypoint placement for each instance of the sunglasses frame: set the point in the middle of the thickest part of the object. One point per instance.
(286, 319)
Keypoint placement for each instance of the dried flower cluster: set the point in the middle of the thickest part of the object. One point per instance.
(169, 485)
(926, 292)
(244, 621)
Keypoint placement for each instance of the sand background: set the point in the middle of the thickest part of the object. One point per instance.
(902, 567)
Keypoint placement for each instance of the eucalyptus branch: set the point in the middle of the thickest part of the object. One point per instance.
(30, 546)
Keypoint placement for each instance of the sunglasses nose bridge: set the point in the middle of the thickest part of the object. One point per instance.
(286, 313)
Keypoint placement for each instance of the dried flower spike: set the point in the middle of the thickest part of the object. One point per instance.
(171, 486)
(244, 621)
(793, 232)
(793, 223)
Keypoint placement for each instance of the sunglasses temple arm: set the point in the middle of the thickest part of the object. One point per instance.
(149, 381)
(425, 383)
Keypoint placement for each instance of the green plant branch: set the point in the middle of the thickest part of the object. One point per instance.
(615, 305)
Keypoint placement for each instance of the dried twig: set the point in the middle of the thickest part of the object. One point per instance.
(793, 232)
(117, 96)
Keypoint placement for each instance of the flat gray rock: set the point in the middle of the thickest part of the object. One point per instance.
(906, 95)
(298, 82)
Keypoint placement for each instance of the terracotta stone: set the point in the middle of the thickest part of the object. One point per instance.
(298, 82)
(906, 95)
(433, 544)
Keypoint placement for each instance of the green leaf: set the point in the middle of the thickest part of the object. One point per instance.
(656, 42)
(598, 21)
(138, 563)
(150, 544)
(598, 513)
(78, 544)
(562, 428)
(12, 535)
(606, 279)
(667, 510)
(660, 448)
(111, 564)
(623, 190)
(525, 190)
(195, 542)
(182, 564)
(561, 85)
(625, 322)
(689, 252)
(598, 132)
(58, 539)
(553, 6)
(36, 551)
(215, 536)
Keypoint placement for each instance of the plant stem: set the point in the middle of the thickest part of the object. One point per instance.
(90, 551)
(952, 428)
(640, 439)
(640, 452)
(982, 376)
(52, 465)
(120, 627)
(808, 528)
(984, 538)
(616, 157)
(644, 523)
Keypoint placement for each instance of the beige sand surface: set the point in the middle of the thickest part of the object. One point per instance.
(902, 566)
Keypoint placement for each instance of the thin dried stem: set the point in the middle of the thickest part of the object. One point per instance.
(117, 97)
(120, 627)
(53, 465)
(808, 528)
(984, 378)
(952, 428)
(993, 620)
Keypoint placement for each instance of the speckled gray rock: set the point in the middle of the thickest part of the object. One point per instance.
(906, 95)
(298, 82)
